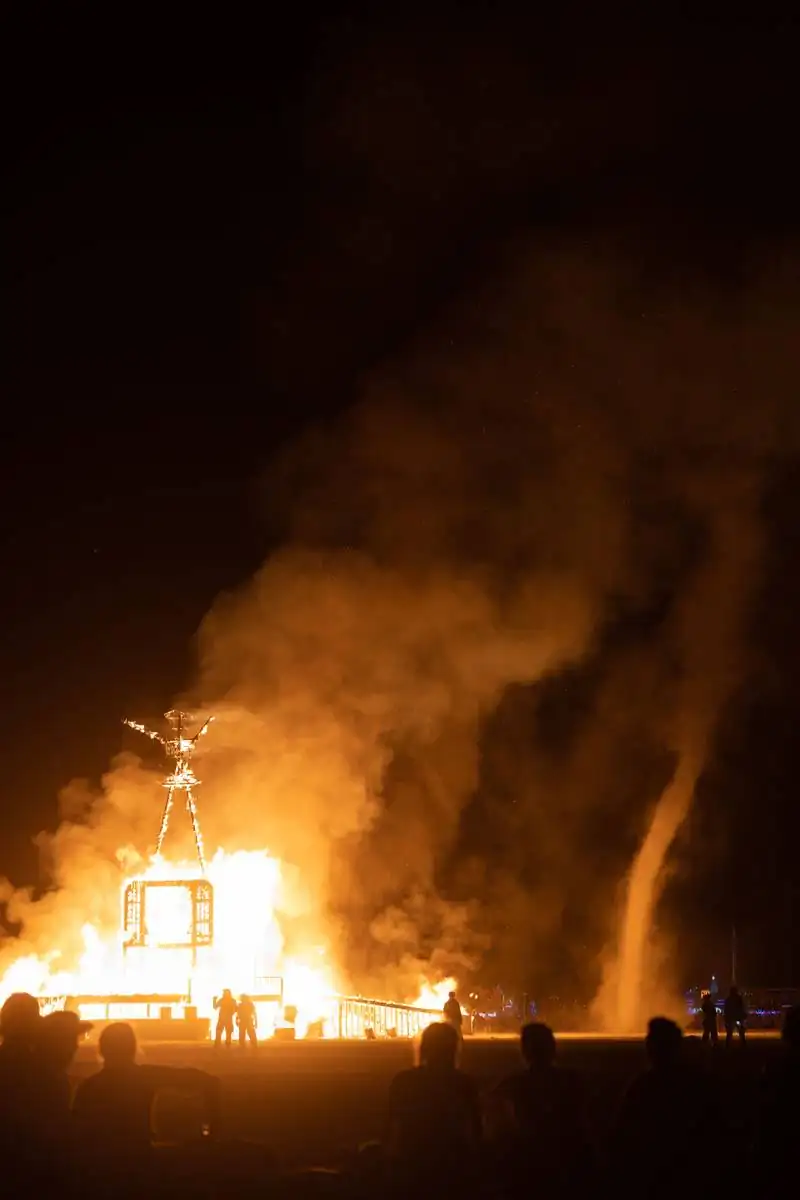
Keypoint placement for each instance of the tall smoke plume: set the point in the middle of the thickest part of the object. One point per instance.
(555, 467)
(504, 620)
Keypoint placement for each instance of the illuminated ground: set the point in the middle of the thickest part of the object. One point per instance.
(316, 1100)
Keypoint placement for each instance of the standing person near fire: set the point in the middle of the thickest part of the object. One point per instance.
(247, 1020)
(734, 1015)
(226, 1007)
(709, 1011)
(452, 1013)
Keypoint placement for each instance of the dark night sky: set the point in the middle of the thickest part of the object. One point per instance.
(200, 265)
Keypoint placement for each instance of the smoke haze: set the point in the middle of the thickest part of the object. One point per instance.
(102, 837)
(506, 615)
(553, 490)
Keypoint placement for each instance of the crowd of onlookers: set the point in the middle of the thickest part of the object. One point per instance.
(678, 1128)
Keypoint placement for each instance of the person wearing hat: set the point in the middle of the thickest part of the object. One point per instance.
(58, 1037)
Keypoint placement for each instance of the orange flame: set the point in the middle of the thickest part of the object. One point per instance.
(247, 949)
(247, 954)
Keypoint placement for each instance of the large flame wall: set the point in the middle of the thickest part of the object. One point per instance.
(247, 954)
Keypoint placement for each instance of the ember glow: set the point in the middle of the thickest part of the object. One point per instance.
(433, 996)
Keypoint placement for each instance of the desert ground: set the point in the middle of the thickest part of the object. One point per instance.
(315, 1102)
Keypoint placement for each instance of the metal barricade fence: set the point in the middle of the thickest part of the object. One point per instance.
(352, 1016)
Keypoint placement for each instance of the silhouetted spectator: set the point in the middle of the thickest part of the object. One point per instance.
(112, 1110)
(668, 1128)
(779, 1109)
(32, 1122)
(19, 1027)
(58, 1037)
(734, 1015)
(226, 1008)
(247, 1020)
(708, 1010)
(434, 1117)
(537, 1124)
(19, 1022)
(452, 1012)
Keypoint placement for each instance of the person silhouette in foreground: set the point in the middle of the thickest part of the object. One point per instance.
(19, 1094)
(452, 1013)
(247, 1020)
(226, 1007)
(19, 1029)
(776, 1146)
(734, 1016)
(112, 1109)
(34, 1103)
(58, 1037)
(708, 1010)
(537, 1125)
(434, 1126)
(668, 1132)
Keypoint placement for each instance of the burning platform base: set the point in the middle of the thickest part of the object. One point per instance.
(154, 1018)
(172, 1017)
(154, 1029)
